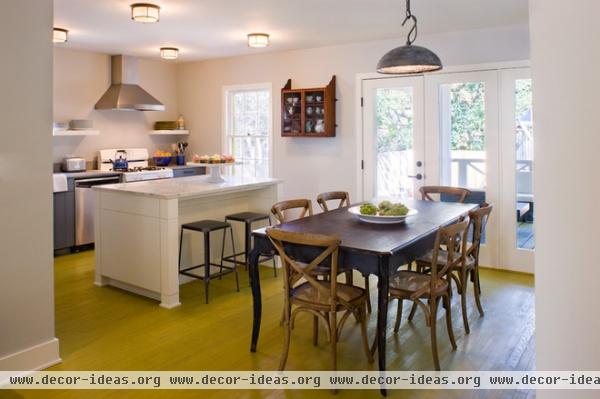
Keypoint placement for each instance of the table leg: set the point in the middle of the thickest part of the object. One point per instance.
(256, 298)
(382, 311)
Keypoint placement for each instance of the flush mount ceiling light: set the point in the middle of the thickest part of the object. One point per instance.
(60, 35)
(409, 59)
(169, 53)
(258, 40)
(145, 12)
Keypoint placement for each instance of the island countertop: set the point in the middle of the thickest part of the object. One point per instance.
(188, 187)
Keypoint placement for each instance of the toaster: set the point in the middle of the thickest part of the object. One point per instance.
(73, 164)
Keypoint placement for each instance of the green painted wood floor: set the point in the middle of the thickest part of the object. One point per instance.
(102, 328)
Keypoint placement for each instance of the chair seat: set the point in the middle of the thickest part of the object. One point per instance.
(410, 282)
(443, 258)
(307, 294)
(247, 217)
(206, 226)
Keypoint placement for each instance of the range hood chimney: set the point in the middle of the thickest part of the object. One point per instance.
(124, 92)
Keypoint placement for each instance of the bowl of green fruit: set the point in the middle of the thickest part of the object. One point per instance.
(386, 212)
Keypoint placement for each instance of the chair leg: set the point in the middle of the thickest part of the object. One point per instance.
(477, 291)
(315, 330)
(463, 300)
(206, 265)
(247, 239)
(363, 331)
(235, 264)
(274, 262)
(449, 321)
(413, 310)
(432, 325)
(348, 277)
(286, 341)
(368, 290)
(222, 252)
(398, 315)
(180, 245)
(333, 335)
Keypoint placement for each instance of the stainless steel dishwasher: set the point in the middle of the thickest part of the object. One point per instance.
(84, 207)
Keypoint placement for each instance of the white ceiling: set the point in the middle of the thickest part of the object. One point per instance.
(217, 28)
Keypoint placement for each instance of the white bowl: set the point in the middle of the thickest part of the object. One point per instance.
(381, 219)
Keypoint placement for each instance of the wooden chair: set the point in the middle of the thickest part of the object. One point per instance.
(344, 201)
(280, 209)
(470, 268)
(341, 196)
(432, 287)
(458, 192)
(324, 299)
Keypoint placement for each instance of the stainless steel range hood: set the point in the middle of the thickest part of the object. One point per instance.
(124, 92)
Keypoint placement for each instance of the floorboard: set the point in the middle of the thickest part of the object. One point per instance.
(102, 328)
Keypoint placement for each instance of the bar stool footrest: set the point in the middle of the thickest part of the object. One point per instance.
(227, 270)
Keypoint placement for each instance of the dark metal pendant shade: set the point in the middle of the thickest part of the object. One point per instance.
(409, 59)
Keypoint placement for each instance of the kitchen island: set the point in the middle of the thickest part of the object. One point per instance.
(137, 227)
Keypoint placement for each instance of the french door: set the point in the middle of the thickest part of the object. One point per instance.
(393, 137)
(517, 242)
(467, 129)
(461, 113)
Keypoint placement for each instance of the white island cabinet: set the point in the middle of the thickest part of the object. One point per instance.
(137, 227)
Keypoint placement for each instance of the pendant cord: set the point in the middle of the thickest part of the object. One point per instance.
(412, 34)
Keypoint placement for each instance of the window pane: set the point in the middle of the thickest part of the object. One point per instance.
(248, 148)
(239, 126)
(262, 147)
(236, 148)
(263, 124)
(251, 123)
(263, 102)
(238, 103)
(524, 164)
(394, 122)
(250, 102)
(462, 121)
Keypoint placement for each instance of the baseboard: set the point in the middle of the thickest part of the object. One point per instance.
(37, 357)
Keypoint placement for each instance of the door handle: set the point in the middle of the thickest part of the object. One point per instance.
(418, 176)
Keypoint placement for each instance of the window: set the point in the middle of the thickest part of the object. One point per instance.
(463, 134)
(248, 126)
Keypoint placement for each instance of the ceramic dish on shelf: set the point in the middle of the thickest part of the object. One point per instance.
(355, 210)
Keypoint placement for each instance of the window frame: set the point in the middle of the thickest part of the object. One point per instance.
(227, 119)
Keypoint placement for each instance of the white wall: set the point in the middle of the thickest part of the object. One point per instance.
(26, 267)
(80, 79)
(565, 58)
(301, 162)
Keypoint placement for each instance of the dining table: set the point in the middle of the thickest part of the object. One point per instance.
(370, 248)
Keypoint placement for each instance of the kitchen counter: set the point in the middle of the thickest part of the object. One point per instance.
(188, 187)
(137, 228)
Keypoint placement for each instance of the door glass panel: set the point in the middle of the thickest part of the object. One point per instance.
(524, 164)
(462, 128)
(394, 144)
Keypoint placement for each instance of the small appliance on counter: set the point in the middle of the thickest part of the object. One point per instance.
(73, 164)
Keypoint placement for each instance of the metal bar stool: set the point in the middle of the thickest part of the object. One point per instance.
(248, 218)
(206, 227)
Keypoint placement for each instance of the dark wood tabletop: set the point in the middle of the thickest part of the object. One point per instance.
(379, 239)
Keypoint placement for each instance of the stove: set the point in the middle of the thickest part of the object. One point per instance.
(138, 168)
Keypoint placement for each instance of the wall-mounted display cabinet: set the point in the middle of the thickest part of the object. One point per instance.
(308, 112)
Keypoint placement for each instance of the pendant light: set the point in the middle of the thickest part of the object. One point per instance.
(409, 59)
